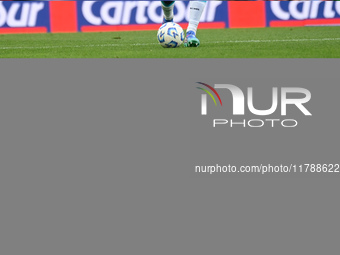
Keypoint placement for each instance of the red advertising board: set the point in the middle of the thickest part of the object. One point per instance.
(101, 16)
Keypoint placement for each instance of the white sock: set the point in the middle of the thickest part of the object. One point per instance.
(168, 11)
(196, 10)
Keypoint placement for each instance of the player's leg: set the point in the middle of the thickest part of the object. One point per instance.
(196, 10)
(168, 10)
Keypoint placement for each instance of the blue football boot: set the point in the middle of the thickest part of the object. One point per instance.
(191, 40)
(166, 21)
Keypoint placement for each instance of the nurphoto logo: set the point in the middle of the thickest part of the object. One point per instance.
(281, 98)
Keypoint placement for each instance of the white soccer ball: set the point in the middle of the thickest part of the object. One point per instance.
(170, 35)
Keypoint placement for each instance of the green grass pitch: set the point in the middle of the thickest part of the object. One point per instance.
(298, 42)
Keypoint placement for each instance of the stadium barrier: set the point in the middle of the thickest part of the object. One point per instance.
(101, 16)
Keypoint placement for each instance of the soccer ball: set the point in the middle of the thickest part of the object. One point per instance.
(170, 35)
